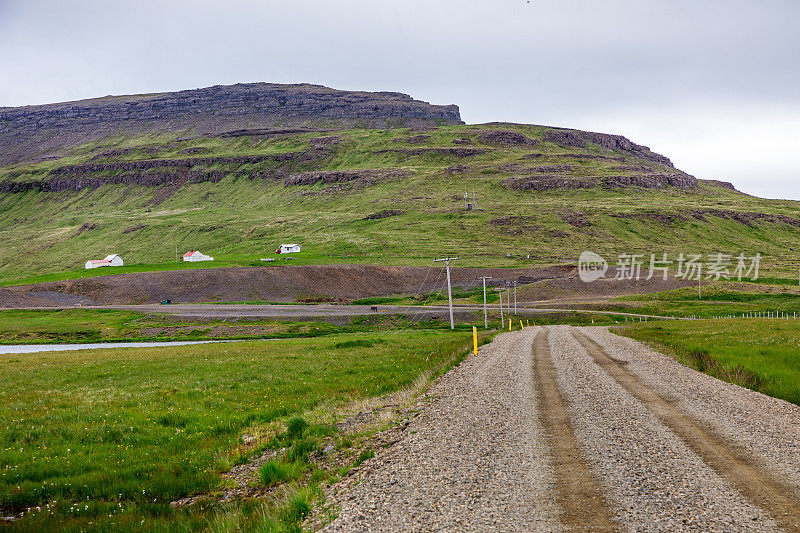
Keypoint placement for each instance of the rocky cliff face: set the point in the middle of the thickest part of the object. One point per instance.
(45, 131)
(578, 139)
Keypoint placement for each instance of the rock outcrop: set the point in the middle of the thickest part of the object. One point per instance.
(645, 181)
(579, 139)
(386, 213)
(45, 131)
(367, 176)
(155, 173)
(505, 137)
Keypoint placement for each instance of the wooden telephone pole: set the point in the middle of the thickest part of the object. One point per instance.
(449, 292)
(500, 293)
(485, 314)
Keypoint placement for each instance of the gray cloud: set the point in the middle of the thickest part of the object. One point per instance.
(686, 77)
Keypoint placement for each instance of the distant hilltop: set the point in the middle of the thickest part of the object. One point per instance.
(44, 131)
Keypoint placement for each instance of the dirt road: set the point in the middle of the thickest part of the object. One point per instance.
(577, 429)
(462, 313)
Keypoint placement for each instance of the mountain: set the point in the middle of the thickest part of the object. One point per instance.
(45, 131)
(352, 177)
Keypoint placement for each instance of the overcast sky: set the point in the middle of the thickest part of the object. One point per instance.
(713, 84)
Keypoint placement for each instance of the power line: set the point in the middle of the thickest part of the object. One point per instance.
(419, 309)
(432, 297)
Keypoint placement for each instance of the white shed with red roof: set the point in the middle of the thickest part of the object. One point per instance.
(113, 260)
(288, 249)
(196, 256)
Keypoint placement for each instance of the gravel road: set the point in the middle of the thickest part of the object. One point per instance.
(577, 429)
(464, 313)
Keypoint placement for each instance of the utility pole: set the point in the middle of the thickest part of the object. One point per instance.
(502, 322)
(485, 315)
(449, 292)
(515, 298)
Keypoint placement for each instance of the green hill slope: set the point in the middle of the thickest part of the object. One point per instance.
(393, 196)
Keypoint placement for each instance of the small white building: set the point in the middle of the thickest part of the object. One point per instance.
(196, 256)
(113, 260)
(97, 263)
(288, 249)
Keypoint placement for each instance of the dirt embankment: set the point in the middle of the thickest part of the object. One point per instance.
(325, 283)
(278, 283)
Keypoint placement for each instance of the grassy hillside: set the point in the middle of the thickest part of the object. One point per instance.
(399, 201)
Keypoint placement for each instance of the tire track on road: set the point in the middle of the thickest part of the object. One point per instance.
(777, 498)
(582, 505)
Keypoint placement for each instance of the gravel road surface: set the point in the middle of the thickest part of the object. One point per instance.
(577, 429)
(322, 311)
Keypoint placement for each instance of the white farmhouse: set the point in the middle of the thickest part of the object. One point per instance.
(288, 249)
(196, 256)
(113, 260)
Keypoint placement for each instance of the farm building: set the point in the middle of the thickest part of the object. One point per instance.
(288, 249)
(112, 260)
(196, 256)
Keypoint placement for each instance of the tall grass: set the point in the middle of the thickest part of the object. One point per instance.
(274, 472)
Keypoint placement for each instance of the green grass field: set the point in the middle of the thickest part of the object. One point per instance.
(74, 325)
(44, 326)
(105, 439)
(760, 354)
(718, 299)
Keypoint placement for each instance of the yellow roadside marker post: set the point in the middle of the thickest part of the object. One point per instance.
(509, 324)
(475, 339)
(528, 322)
(521, 325)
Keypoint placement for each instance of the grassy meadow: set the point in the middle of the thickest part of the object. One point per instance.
(717, 299)
(100, 440)
(760, 354)
(65, 325)
(73, 325)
